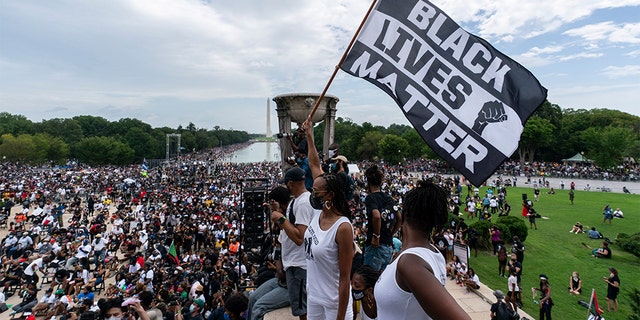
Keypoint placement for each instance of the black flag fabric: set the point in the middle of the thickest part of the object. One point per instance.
(467, 100)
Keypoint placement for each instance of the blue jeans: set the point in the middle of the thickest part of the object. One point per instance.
(378, 258)
(267, 297)
(98, 257)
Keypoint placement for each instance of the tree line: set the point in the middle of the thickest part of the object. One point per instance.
(96, 140)
(551, 134)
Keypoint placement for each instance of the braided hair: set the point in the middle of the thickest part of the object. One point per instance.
(369, 275)
(336, 186)
(374, 176)
(425, 207)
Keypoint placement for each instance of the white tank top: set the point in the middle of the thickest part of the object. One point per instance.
(395, 303)
(323, 273)
(364, 316)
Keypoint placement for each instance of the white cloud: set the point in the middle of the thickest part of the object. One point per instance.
(580, 56)
(179, 61)
(619, 72)
(608, 31)
(528, 19)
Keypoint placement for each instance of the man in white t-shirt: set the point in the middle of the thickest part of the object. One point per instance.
(99, 245)
(36, 265)
(146, 277)
(294, 224)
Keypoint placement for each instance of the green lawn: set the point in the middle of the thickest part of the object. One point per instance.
(554, 251)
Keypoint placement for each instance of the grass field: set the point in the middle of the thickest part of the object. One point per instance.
(554, 251)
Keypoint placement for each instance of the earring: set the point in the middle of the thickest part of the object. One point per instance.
(328, 204)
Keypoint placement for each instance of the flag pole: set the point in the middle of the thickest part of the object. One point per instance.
(590, 302)
(344, 56)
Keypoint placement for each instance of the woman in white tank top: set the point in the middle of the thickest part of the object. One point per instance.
(412, 286)
(328, 243)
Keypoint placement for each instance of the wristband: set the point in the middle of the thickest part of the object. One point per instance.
(377, 236)
(282, 220)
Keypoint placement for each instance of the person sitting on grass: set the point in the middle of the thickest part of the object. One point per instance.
(618, 213)
(595, 234)
(603, 252)
(575, 284)
(577, 228)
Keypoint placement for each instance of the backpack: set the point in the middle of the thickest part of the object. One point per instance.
(505, 312)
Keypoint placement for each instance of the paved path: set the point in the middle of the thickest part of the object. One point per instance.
(596, 185)
(478, 306)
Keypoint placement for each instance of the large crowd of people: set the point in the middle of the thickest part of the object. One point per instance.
(168, 241)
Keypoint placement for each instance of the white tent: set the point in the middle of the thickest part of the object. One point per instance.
(577, 158)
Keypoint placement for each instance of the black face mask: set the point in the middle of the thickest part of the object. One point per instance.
(316, 202)
(357, 294)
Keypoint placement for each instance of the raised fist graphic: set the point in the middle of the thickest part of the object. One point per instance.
(491, 112)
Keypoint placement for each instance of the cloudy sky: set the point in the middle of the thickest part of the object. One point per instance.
(216, 62)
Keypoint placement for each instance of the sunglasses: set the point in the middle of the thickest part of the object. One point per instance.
(315, 192)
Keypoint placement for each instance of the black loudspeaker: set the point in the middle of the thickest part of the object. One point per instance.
(524, 197)
(254, 217)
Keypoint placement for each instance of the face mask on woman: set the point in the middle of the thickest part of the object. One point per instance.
(316, 202)
(357, 294)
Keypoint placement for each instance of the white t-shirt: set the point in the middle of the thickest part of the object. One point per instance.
(293, 255)
(31, 268)
(513, 280)
(83, 251)
(395, 303)
(99, 244)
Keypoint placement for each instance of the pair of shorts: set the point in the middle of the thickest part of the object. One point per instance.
(297, 287)
(378, 258)
(608, 217)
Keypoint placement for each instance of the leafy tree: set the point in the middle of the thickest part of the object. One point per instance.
(57, 151)
(392, 148)
(633, 150)
(94, 126)
(125, 124)
(40, 148)
(103, 150)
(187, 141)
(417, 147)
(537, 134)
(69, 130)
(399, 129)
(607, 146)
(17, 149)
(368, 147)
(141, 142)
(205, 140)
(15, 124)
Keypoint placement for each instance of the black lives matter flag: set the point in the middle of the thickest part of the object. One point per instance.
(467, 100)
